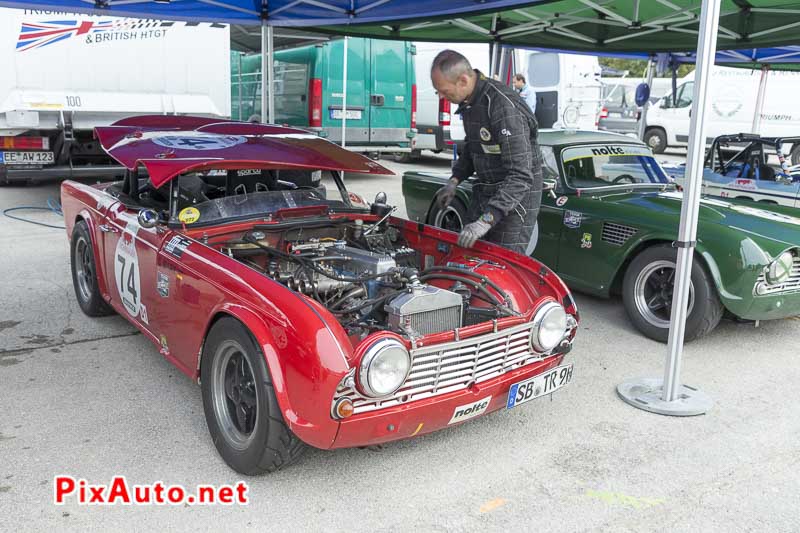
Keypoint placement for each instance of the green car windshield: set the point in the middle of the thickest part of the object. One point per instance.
(588, 167)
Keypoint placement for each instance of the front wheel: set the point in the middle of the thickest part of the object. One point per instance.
(240, 405)
(453, 217)
(656, 139)
(84, 273)
(647, 295)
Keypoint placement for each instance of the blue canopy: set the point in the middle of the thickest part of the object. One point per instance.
(276, 12)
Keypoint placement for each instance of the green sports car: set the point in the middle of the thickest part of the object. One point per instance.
(607, 223)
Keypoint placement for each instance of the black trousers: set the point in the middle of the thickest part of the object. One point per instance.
(514, 231)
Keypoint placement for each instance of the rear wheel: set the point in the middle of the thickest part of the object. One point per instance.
(84, 273)
(794, 155)
(408, 157)
(647, 294)
(240, 405)
(656, 139)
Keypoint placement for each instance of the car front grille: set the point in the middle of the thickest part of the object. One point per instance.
(617, 234)
(453, 366)
(792, 284)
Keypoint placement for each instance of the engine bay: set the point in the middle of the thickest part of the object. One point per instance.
(369, 278)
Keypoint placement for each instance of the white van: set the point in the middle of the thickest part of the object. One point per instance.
(434, 114)
(733, 95)
(568, 89)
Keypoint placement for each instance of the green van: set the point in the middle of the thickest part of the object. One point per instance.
(381, 91)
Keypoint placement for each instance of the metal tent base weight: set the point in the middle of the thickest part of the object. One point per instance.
(647, 394)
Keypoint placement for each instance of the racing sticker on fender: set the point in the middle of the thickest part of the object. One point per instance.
(189, 215)
(586, 240)
(126, 272)
(177, 245)
(561, 201)
(573, 219)
(163, 285)
(471, 410)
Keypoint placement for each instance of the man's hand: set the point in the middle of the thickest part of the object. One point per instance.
(472, 232)
(446, 194)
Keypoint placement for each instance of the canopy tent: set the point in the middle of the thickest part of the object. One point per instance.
(277, 12)
(608, 25)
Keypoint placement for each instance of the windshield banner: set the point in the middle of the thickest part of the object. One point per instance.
(604, 150)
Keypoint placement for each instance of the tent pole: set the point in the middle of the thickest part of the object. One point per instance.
(762, 89)
(271, 72)
(267, 67)
(643, 119)
(344, 91)
(669, 397)
(239, 112)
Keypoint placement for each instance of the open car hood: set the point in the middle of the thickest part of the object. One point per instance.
(168, 146)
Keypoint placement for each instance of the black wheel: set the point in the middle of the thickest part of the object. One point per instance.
(647, 294)
(241, 409)
(794, 155)
(408, 157)
(623, 177)
(84, 273)
(656, 139)
(452, 218)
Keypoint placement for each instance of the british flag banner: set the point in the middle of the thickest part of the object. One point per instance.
(39, 34)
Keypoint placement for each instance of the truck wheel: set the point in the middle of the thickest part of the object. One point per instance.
(656, 139)
(84, 273)
(408, 157)
(794, 155)
(241, 409)
(452, 218)
(647, 295)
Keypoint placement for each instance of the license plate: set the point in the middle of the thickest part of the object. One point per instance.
(532, 388)
(26, 158)
(352, 114)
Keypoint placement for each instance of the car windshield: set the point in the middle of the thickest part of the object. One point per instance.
(207, 198)
(587, 167)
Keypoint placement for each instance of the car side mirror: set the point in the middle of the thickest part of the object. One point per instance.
(148, 218)
(380, 198)
(549, 187)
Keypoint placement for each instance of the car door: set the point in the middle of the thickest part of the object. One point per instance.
(550, 213)
(130, 256)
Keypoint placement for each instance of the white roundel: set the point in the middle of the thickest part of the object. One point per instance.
(198, 141)
(126, 274)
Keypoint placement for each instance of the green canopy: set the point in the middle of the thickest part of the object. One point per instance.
(602, 25)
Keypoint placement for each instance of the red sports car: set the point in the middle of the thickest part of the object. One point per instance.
(308, 316)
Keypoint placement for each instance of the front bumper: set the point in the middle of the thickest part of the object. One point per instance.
(432, 414)
(773, 307)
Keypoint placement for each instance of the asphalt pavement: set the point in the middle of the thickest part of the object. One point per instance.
(93, 399)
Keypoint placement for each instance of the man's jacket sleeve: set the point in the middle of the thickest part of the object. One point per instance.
(463, 167)
(519, 157)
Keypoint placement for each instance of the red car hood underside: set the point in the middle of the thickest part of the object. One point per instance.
(169, 146)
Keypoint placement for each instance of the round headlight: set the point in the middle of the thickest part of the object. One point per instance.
(383, 368)
(780, 269)
(550, 326)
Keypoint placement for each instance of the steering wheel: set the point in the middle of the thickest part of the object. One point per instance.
(621, 177)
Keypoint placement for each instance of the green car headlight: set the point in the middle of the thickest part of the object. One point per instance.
(779, 270)
(384, 367)
(549, 327)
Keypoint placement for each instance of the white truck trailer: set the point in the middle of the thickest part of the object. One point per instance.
(64, 74)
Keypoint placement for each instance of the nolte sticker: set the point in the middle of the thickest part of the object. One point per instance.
(471, 410)
(573, 219)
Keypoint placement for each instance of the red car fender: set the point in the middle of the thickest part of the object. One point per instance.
(304, 390)
(99, 262)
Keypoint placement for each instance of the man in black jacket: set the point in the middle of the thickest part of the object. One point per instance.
(501, 148)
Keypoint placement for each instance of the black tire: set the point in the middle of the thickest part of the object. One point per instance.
(647, 294)
(656, 139)
(408, 157)
(240, 405)
(453, 218)
(794, 155)
(84, 273)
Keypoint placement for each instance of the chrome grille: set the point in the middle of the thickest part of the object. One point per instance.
(453, 366)
(792, 284)
(428, 322)
(617, 234)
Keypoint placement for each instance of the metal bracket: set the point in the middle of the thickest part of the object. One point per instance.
(684, 244)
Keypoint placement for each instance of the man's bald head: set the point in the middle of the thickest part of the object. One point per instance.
(452, 76)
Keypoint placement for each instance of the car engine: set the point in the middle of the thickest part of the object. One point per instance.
(370, 280)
